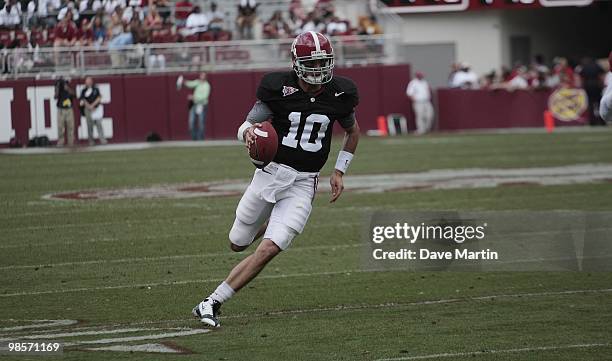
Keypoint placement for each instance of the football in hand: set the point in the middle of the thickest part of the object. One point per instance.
(266, 144)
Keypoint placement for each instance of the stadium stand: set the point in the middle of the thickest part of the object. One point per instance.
(135, 36)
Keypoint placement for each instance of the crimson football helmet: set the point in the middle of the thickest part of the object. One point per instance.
(313, 57)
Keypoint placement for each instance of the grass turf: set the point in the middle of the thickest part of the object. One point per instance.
(129, 263)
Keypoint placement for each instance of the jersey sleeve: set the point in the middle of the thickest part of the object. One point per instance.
(347, 121)
(259, 113)
(270, 87)
(349, 99)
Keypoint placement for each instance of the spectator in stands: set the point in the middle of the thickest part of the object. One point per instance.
(276, 27)
(454, 69)
(99, 30)
(10, 15)
(309, 5)
(91, 103)
(295, 23)
(592, 76)
(122, 39)
(296, 11)
(489, 81)
(216, 19)
(182, 9)
(86, 33)
(562, 74)
(65, 9)
(336, 27)
(64, 94)
(247, 12)
(539, 65)
(115, 27)
(153, 20)
(465, 78)
(140, 33)
(89, 6)
(519, 79)
(136, 11)
(313, 23)
(162, 7)
(46, 11)
(197, 22)
(199, 99)
(66, 32)
(110, 6)
(419, 93)
(32, 13)
(369, 26)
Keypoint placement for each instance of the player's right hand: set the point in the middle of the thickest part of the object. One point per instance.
(250, 136)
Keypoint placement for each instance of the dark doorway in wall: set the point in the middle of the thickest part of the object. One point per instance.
(520, 49)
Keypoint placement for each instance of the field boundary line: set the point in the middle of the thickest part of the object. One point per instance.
(489, 352)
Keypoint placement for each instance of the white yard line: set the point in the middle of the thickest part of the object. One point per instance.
(339, 308)
(161, 258)
(52, 336)
(170, 283)
(421, 303)
(121, 147)
(187, 332)
(38, 324)
(62, 243)
(489, 352)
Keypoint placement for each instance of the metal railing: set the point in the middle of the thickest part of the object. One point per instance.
(171, 57)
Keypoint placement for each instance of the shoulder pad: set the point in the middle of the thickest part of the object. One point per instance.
(271, 85)
(350, 96)
(346, 85)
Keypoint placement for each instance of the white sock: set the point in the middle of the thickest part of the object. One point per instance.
(223, 292)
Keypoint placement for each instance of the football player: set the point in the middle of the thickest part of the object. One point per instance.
(302, 105)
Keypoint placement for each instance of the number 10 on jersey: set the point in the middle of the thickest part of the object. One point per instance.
(291, 139)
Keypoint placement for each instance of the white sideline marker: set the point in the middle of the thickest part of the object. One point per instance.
(489, 352)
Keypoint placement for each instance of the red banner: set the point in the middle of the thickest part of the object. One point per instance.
(137, 105)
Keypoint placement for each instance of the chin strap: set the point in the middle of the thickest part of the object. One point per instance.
(344, 160)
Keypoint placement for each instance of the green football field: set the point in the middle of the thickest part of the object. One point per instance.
(110, 276)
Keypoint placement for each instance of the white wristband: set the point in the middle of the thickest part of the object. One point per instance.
(246, 125)
(344, 160)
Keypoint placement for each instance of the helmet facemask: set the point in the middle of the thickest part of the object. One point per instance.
(308, 70)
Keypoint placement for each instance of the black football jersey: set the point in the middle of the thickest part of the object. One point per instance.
(304, 122)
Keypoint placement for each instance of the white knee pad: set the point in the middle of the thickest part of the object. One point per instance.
(242, 234)
(280, 234)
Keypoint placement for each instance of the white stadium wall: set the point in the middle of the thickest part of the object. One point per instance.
(476, 35)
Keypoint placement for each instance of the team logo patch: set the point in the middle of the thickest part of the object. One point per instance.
(288, 90)
(568, 104)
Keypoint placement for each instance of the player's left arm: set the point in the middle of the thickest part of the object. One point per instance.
(351, 139)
